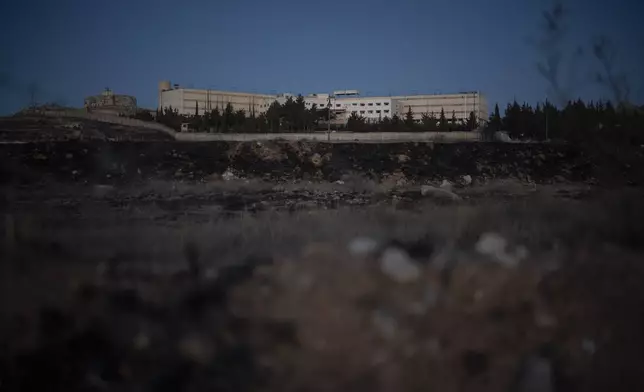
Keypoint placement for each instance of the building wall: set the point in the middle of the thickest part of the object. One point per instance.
(186, 101)
(459, 104)
(371, 108)
(189, 101)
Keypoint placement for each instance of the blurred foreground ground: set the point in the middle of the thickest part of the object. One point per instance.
(340, 283)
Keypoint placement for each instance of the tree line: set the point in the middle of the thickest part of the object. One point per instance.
(291, 116)
(544, 121)
(576, 121)
(294, 116)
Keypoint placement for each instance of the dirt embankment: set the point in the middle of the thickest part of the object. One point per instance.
(127, 162)
(41, 129)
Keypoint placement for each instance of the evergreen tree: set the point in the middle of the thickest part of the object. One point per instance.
(442, 121)
(228, 117)
(429, 122)
(356, 123)
(215, 120)
(495, 119)
(409, 119)
(273, 116)
(239, 119)
(472, 122)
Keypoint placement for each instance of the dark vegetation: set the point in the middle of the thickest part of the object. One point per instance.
(576, 122)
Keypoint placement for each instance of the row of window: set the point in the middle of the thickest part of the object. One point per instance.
(370, 111)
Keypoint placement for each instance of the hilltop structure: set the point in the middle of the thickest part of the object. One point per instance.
(110, 103)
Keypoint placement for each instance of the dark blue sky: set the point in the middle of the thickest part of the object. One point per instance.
(71, 49)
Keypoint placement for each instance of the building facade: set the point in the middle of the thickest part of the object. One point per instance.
(343, 103)
(110, 103)
(460, 105)
(197, 101)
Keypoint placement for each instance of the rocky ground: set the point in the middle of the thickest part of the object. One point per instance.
(33, 128)
(304, 267)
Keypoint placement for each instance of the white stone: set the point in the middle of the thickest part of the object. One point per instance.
(397, 264)
(428, 190)
(446, 185)
(495, 246)
(467, 179)
(491, 244)
(361, 246)
(228, 175)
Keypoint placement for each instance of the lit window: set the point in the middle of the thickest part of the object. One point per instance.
(370, 103)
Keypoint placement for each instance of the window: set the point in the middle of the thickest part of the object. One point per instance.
(337, 105)
(370, 103)
(362, 104)
(362, 112)
(377, 103)
(321, 105)
(378, 111)
(386, 111)
(354, 111)
(354, 104)
(370, 111)
(386, 103)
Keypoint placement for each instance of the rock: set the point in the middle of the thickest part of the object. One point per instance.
(361, 246)
(495, 246)
(446, 185)
(339, 182)
(467, 179)
(316, 160)
(402, 158)
(396, 264)
(69, 155)
(428, 190)
(502, 137)
(228, 175)
(536, 376)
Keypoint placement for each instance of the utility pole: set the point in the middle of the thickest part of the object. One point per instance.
(328, 115)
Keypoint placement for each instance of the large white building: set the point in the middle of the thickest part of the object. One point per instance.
(343, 103)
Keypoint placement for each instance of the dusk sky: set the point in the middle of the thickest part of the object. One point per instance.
(71, 49)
